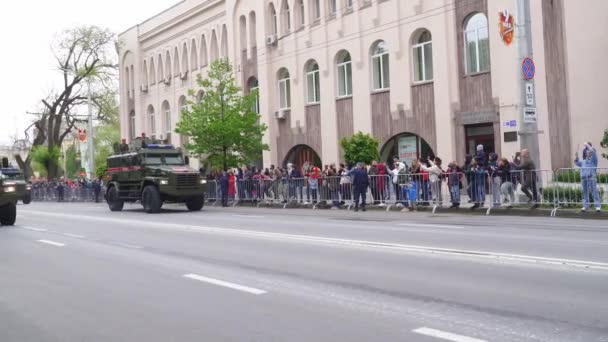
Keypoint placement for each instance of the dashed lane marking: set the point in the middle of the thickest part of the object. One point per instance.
(52, 243)
(222, 283)
(444, 335)
(430, 225)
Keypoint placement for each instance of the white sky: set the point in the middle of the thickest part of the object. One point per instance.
(27, 29)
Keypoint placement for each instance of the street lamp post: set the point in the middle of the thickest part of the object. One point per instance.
(90, 135)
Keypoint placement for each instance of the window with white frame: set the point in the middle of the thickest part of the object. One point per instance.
(254, 87)
(333, 7)
(132, 125)
(313, 84)
(315, 9)
(274, 24)
(286, 17)
(301, 14)
(152, 119)
(423, 57)
(284, 84)
(167, 119)
(476, 44)
(345, 74)
(380, 66)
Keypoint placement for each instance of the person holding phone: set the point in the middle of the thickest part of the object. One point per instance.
(588, 168)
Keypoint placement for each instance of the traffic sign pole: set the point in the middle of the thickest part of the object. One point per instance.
(528, 130)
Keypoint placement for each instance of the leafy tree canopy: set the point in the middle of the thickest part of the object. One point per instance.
(223, 124)
(360, 148)
(604, 143)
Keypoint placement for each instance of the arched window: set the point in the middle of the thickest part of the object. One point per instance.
(333, 7)
(423, 57)
(185, 67)
(194, 55)
(273, 26)
(132, 125)
(313, 84)
(176, 60)
(345, 74)
(144, 72)
(380, 66)
(243, 33)
(300, 14)
(168, 66)
(285, 17)
(284, 84)
(254, 87)
(161, 72)
(166, 117)
(152, 71)
(224, 41)
(214, 53)
(200, 96)
(204, 56)
(127, 78)
(476, 44)
(252, 30)
(151, 120)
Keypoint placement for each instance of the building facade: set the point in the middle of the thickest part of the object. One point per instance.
(425, 77)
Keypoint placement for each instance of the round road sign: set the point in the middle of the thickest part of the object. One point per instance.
(528, 68)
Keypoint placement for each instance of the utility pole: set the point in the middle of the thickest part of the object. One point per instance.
(90, 134)
(529, 127)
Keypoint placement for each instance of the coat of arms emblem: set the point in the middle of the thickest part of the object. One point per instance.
(507, 27)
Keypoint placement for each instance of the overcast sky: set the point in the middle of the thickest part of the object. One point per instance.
(27, 29)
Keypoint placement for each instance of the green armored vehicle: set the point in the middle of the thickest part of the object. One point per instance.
(153, 174)
(24, 189)
(8, 198)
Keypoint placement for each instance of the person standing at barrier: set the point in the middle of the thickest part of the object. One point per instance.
(468, 174)
(224, 185)
(360, 185)
(333, 186)
(589, 177)
(231, 186)
(97, 189)
(495, 180)
(313, 183)
(480, 156)
(60, 191)
(373, 181)
(345, 183)
(435, 177)
(478, 186)
(454, 176)
(529, 180)
(398, 172)
(507, 186)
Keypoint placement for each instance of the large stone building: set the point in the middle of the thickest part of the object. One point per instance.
(423, 76)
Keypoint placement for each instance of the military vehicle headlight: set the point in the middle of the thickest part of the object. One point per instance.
(28, 187)
(203, 181)
(10, 189)
(164, 182)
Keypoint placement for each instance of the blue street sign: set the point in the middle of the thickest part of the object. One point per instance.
(528, 68)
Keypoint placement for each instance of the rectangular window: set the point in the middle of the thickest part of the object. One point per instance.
(344, 79)
(152, 123)
(132, 130)
(284, 94)
(385, 72)
(168, 121)
(423, 62)
(256, 104)
(317, 9)
(333, 7)
(428, 62)
(313, 87)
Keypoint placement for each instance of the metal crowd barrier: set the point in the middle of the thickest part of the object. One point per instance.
(580, 188)
(52, 193)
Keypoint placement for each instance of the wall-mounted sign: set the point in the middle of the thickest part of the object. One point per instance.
(530, 115)
(507, 27)
(408, 149)
(529, 94)
(510, 123)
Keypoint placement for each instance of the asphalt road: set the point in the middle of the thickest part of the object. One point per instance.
(77, 272)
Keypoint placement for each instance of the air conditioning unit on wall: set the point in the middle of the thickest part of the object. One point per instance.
(271, 39)
(280, 115)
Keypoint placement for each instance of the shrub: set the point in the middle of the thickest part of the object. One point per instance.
(574, 176)
(567, 196)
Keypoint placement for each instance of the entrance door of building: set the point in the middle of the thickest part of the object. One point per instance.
(480, 134)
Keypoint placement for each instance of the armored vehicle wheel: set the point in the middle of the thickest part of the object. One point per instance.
(150, 199)
(8, 214)
(195, 203)
(27, 199)
(113, 200)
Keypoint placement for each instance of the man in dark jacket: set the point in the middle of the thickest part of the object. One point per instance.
(360, 184)
(529, 180)
(224, 183)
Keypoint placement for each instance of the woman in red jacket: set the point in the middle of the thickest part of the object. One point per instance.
(231, 185)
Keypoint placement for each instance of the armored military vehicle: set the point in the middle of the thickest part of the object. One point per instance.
(153, 174)
(8, 198)
(15, 176)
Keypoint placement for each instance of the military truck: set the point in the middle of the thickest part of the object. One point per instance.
(8, 198)
(153, 173)
(24, 189)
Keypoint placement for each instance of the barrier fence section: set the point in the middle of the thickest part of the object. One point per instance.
(491, 189)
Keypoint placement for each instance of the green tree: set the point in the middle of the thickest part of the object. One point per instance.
(604, 143)
(360, 148)
(72, 162)
(85, 57)
(107, 133)
(223, 125)
(45, 158)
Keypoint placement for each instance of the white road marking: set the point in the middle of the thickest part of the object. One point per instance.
(34, 229)
(76, 236)
(248, 216)
(126, 245)
(444, 335)
(345, 242)
(52, 243)
(430, 225)
(233, 286)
